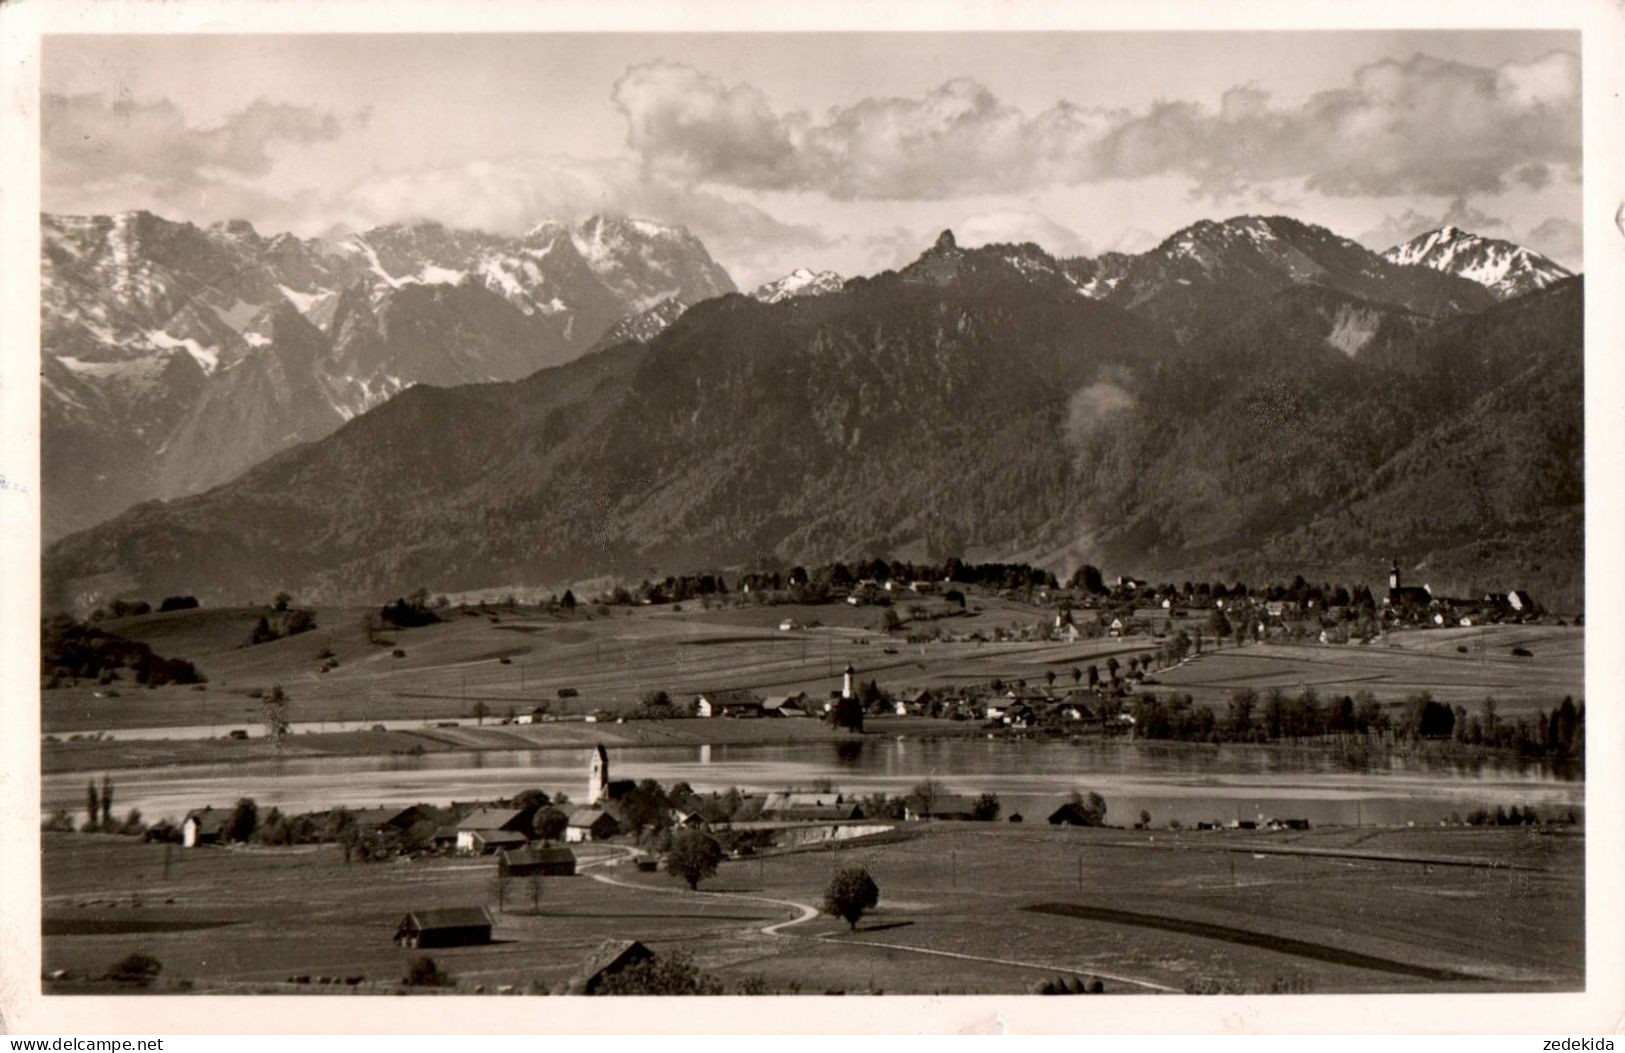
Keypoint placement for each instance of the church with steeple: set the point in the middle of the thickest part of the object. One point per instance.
(1402, 595)
(601, 789)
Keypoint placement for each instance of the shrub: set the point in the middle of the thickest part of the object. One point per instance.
(135, 968)
(423, 972)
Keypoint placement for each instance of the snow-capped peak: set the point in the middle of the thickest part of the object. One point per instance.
(799, 282)
(1504, 268)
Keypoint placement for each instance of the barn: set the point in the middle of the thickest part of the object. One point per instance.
(591, 824)
(445, 927)
(487, 822)
(205, 827)
(548, 861)
(611, 957)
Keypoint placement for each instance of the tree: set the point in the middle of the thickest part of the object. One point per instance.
(135, 968)
(93, 803)
(851, 892)
(423, 972)
(667, 974)
(694, 856)
(986, 807)
(1145, 818)
(1077, 676)
(926, 793)
(550, 824)
(847, 713)
(1091, 806)
(569, 601)
(479, 712)
(244, 817)
(107, 801)
(281, 601)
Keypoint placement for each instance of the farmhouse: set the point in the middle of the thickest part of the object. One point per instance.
(549, 861)
(611, 957)
(1520, 601)
(477, 833)
(446, 927)
(205, 827)
(948, 806)
(1069, 814)
(590, 824)
(784, 706)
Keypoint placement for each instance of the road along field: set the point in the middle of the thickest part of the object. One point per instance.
(965, 908)
(504, 659)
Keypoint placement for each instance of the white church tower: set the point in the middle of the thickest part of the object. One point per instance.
(848, 682)
(598, 777)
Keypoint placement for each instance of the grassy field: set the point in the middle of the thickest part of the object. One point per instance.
(965, 908)
(515, 659)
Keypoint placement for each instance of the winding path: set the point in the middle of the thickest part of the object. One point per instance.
(807, 912)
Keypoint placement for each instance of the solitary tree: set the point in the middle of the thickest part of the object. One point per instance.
(107, 800)
(1091, 805)
(480, 712)
(694, 856)
(281, 601)
(244, 818)
(986, 807)
(851, 892)
(927, 792)
(93, 803)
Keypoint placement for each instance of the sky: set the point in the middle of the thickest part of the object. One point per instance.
(846, 151)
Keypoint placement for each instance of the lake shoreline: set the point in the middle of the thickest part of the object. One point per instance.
(113, 755)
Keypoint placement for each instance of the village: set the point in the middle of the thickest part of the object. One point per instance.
(849, 661)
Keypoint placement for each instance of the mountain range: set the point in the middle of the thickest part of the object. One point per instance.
(175, 357)
(1250, 398)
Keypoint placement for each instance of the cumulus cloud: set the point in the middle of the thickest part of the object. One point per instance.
(1558, 238)
(1422, 125)
(511, 194)
(85, 138)
(990, 228)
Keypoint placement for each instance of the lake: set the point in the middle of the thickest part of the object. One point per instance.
(1168, 780)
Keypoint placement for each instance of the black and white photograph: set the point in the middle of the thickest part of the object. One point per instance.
(1059, 509)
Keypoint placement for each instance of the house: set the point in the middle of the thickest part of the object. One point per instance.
(1287, 824)
(789, 625)
(1070, 814)
(703, 707)
(546, 860)
(956, 807)
(489, 842)
(687, 820)
(784, 706)
(738, 704)
(485, 822)
(590, 824)
(386, 820)
(611, 957)
(445, 927)
(1116, 627)
(780, 802)
(1069, 633)
(444, 837)
(205, 827)
(1520, 601)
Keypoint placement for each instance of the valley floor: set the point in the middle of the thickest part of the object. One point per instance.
(965, 908)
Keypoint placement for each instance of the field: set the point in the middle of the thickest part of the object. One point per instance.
(515, 658)
(965, 908)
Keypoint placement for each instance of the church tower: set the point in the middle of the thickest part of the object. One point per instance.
(1393, 577)
(847, 682)
(598, 777)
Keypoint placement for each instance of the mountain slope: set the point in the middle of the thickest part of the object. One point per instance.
(1205, 275)
(177, 356)
(971, 402)
(1505, 269)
